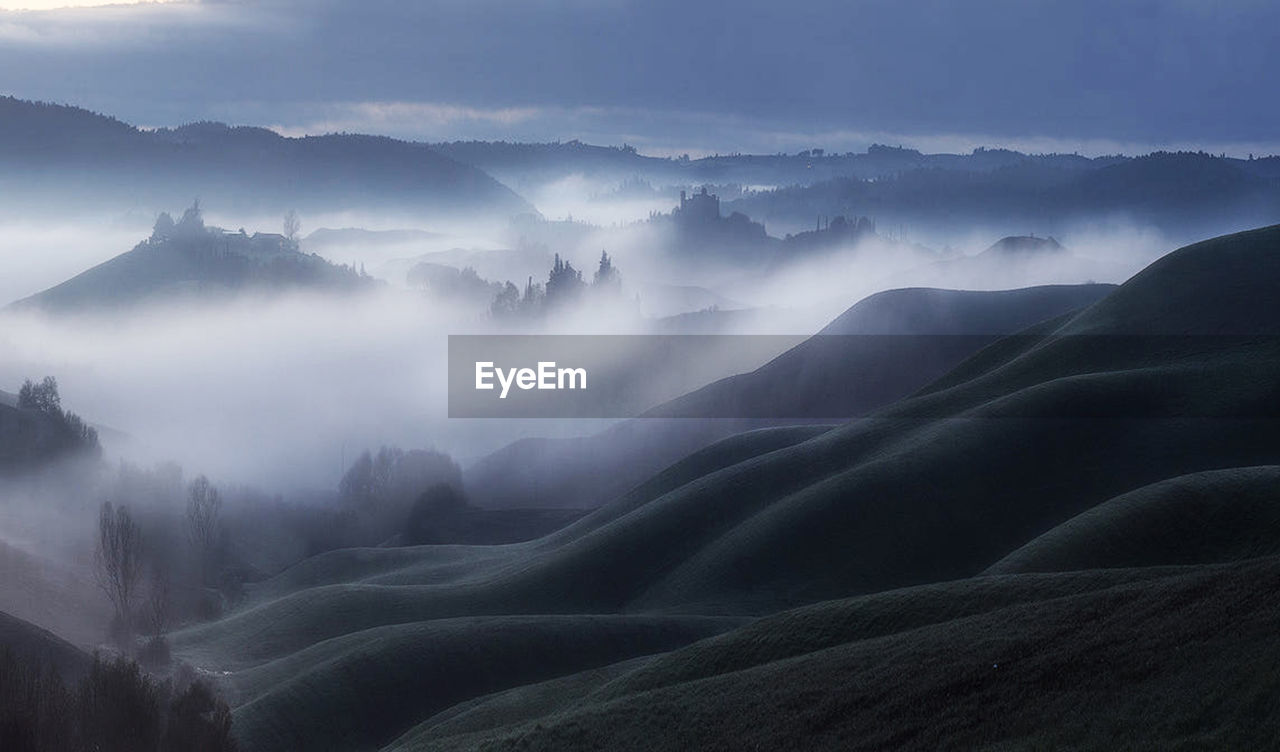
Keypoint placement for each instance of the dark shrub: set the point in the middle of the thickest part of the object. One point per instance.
(115, 708)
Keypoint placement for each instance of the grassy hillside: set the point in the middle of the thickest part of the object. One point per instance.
(787, 635)
(881, 350)
(1214, 516)
(51, 595)
(874, 353)
(933, 486)
(193, 260)
(1171, 376)
(1145, 665)
(31, 645)
(364, 688)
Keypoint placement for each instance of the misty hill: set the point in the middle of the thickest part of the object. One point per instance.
(326, 238)
(527, 164)
(893, 517)
(844, 371)
(880, 350)
(189, 259)
(839, 231)
(31, 437)
(30, 644)
(1128, 389)
(1178, 192)
(495, 264)
(50, 594)
(56, 156)
(659, 300)
(1024, 245)
(1021, 256)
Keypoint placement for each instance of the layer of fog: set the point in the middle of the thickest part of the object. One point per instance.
(283, 391)
(279, 392)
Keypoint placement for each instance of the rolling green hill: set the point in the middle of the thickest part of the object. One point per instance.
(362, 689)
(880, 350)
(863, 548)
(1214, 516)
(1183, 661)
(883, 348)
(32, 645)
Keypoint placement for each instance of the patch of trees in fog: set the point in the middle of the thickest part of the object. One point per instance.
(565, 288)
(115, 707)
(37, 430)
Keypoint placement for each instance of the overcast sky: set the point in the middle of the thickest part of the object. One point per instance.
(673, 75)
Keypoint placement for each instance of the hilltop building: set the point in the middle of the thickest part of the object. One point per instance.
(700, 228)
(701, 208)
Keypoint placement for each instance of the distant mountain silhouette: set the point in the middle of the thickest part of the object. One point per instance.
(189, 259)
(1024, 245)
(325, 237)
(531, 163)
(1179, 192)
(59, 156)
(1022, 257)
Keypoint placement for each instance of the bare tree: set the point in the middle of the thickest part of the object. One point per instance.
(157, 614)
(292, 226)
(118, 561)
(203, 506)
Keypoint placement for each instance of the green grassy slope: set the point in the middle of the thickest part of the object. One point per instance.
(517, 705)
(51, 595)
(33, 646)
(840, 373)
(901, 499)
(362, 689)
(774, 638)
(1025, 436)
(1186, 661)
(1214, 516)
(851, 367)
(943, 485)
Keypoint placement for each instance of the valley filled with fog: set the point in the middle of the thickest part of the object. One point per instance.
(227, 450)
(281, 383)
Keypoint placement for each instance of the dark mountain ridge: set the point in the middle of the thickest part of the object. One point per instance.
(1181, 192)
(66, 156)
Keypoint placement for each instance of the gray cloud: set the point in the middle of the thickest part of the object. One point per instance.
(1125, 72)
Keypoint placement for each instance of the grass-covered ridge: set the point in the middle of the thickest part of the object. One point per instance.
(863, 548)
(1186, 661)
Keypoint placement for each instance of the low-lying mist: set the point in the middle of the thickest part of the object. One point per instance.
(275, 393)
(281, 390)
